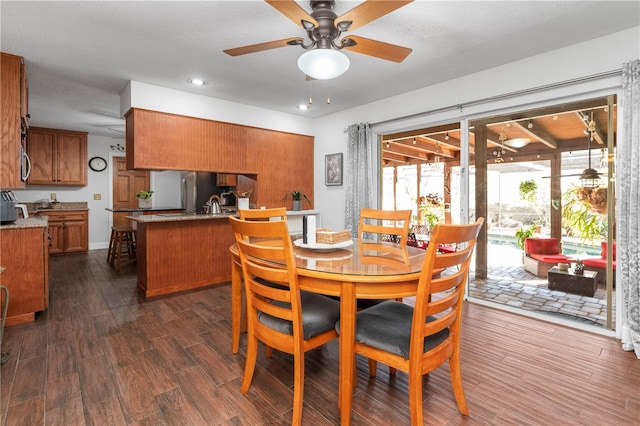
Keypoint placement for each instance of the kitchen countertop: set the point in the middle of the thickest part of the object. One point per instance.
(30, 222)
(178, 217)
(137, 209)
(34, 207)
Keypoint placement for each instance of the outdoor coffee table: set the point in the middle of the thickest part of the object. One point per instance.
(585, 283)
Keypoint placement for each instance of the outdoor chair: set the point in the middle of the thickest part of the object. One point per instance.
(542, 254)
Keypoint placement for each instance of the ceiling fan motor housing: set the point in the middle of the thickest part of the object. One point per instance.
(326, 32)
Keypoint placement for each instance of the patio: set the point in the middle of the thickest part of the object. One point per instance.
(509, 284)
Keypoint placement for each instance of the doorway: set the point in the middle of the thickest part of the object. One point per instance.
(126, 184)
(551, 147)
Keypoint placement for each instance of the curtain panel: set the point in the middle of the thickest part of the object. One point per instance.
(359, 174)
(628, 184)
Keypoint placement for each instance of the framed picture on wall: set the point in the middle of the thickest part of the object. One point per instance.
(333, 169)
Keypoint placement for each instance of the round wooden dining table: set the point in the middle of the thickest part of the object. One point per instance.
(360, 271)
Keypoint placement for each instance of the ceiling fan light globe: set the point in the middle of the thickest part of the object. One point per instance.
(517, 142)
(323, 64)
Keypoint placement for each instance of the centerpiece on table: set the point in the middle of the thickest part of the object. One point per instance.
(144, 198)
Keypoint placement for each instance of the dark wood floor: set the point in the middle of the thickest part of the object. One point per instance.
(102, 355)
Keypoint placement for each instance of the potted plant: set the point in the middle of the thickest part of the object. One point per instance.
(296, 197)
(528, 190)
(431, 210)
(581, 213)
(524, 233)
(144, 198)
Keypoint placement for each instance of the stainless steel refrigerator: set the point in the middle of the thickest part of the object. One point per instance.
(197, 187)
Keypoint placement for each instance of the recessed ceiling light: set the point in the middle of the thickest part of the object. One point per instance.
(197, 82)
(303, 107)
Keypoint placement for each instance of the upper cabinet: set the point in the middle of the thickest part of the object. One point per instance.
(58, 157)
(268, 162)
(226, 179)
(166, 141)
(14, 117)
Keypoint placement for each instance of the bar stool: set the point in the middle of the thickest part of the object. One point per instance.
(122, 246)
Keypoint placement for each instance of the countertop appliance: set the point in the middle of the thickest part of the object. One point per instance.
(227, 199)
(9, 208)
(197, 188)
(8, 213)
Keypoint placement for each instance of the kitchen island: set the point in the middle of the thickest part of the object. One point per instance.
(177, 251)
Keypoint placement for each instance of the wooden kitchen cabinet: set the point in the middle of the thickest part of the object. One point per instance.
(269, 162)
(68, 230)
(226, 179)
(58, 157)
(26, 259)
(14, 119)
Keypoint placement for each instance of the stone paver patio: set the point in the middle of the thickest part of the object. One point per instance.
(509, 284)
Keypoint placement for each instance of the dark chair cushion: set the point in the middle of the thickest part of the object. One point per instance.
(387, 326)
(368, 303)
(362, 303)
(319, 314)
(271, 284)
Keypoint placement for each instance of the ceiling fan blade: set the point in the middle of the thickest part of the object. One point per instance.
(561, 176)
(379, 49)
(367, 12)
(293, 11)
(260, 46)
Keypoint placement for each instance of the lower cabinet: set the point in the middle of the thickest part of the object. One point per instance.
(26, 274)
(68, 230)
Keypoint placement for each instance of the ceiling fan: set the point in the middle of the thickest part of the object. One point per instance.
(323, 59)
(589, 178)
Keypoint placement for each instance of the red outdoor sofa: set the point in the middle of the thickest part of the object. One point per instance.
(542, 254)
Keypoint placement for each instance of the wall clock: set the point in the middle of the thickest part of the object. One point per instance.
(98, 164)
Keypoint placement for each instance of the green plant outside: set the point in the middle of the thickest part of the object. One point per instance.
(578, 220)
(528, 189)
(524, 233)
(431, 210)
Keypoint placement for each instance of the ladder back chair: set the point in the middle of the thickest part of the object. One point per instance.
(419, 339)
(283, 318)
(384, 225)
(377, 226)
(277, 213)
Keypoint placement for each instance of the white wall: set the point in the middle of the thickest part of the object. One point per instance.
(580, 60)
(156, 98)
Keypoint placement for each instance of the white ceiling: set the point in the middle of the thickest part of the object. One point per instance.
(80, 55)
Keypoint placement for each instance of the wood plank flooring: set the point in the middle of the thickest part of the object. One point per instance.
(103, 355)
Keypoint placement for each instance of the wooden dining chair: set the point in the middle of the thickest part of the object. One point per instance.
(384, 225)
(283, 318)
(419, 339)
(277, 213)
(272, 214)
(378, 226)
